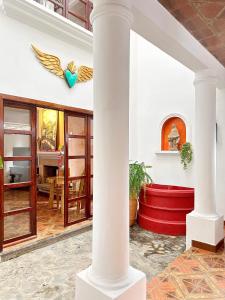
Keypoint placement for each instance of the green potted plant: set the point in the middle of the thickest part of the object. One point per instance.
(138, 176)
(186, 155)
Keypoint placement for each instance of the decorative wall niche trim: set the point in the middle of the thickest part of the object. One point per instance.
(169, 153)
(188, 133)
(42, 18)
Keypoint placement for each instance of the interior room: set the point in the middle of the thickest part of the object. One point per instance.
(50, 171)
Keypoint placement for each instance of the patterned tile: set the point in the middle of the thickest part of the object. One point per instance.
(185, 264)
(164, 287)
(197, 286)
(218, 278)
(196, 274)
(213, 262)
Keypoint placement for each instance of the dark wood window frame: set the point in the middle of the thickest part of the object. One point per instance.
(66, 12)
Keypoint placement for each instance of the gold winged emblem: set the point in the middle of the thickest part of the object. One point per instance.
(71, 74)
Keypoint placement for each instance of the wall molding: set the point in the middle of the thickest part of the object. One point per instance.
(43, 19)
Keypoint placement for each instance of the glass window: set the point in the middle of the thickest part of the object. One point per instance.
(17, 171)
(17, 145)
(16, 225)
(77, 167)
(77, 188)
(76, 147)
(76, 210)
(76, 126)
(16, 118)
(16, 198)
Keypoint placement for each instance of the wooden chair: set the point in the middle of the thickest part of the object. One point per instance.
(56, 192)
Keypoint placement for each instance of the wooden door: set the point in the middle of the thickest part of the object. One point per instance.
(18, 172)
(77, 168)
(90, 147)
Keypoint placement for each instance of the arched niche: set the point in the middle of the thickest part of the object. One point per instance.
(166, 128)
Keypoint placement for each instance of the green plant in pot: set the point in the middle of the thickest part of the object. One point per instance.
(138, 176)
(186, 154)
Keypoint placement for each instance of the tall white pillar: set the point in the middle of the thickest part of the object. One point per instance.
(204, 225)
(110, 276)
(220, 151)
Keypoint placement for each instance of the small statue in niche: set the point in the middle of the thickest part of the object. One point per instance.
(173, 138)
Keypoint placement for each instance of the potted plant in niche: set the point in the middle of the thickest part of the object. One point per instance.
(138, 176)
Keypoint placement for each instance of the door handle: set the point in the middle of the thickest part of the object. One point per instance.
(1, 163)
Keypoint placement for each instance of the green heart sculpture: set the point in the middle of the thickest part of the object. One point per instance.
(71, 78)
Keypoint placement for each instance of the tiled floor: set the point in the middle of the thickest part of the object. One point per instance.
(49, 221)
(196, 274)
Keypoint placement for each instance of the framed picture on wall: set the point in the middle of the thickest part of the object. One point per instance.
(48, 122)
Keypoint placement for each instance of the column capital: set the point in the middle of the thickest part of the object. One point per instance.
(117, 8)
(206, 75)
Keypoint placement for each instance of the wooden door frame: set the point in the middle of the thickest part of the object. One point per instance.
(44, 104)
(1, 178)
(87, 196)
(35, 103)
(90, 157)
(31, 208)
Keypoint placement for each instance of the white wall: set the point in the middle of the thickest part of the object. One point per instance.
(21, 74)
(160, 86)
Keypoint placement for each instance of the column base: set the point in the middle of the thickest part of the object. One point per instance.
(135, 290)
(206, 232)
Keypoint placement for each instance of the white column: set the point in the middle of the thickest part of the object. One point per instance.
(204, 224)
(220, 151)
(110, 276)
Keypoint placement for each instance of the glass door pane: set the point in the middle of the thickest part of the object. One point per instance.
(17, 198)
(17, 171)
(17, 118)
(76, 147)
(16, 226)
(76, 168)
(19, 175)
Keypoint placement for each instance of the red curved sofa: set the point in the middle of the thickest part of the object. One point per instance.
(163, 208)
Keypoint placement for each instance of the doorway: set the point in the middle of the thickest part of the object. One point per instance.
(50, 171)
(46, 169)
(17, 176)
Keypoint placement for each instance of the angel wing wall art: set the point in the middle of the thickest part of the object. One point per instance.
(71, 74)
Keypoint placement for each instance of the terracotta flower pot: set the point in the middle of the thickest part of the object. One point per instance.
(133, 210)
